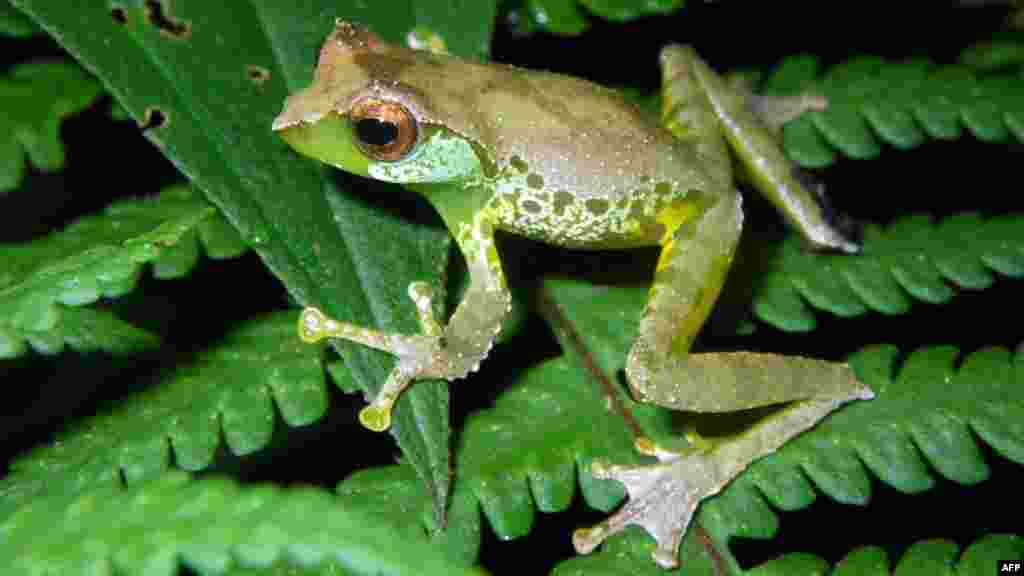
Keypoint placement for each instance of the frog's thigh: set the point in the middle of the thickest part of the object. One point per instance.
(692, 268)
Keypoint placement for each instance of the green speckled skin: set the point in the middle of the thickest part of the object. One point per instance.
(567, 162)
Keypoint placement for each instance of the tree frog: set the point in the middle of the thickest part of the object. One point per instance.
(567, 162)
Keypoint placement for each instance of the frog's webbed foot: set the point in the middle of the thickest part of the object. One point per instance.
(662, 497)
(419, 356)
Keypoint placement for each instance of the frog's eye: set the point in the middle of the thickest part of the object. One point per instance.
(384, 130)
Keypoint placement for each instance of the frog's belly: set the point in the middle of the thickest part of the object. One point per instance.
(595, 222)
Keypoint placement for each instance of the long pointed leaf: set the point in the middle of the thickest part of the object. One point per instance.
(206, 79)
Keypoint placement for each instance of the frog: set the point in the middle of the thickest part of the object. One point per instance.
(564, 161)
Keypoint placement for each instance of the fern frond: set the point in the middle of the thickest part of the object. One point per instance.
(920, 421)
(1005, 50)
(35, 97)
(227, 391)
(83, 330)
(398, 497)
(871, 101)
(15, 23)
(568, 18)
(102, 256)
(628, 555)
(911, 258)
(283, 568)
(524, 455)
(924, 558)
(528, 452)
(209, 525)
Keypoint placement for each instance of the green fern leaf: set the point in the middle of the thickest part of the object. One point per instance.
(1004, 51)
(925, 558)
(920, 422)
(14, 23)
(912, 258)
(206, 111)
(527, 453)
(102, 256)
(566, 17)
(872, 102)
(35, 97)
(227, 391)
(396, 496)
(83, 330)
(982, 555)
(208, 525)
(864, 560)
(283, 568)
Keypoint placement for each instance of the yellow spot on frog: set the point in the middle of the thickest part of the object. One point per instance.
(672, 217)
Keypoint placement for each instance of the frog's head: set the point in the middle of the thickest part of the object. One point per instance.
(359, 116)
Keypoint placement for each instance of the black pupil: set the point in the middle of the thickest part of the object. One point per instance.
(376, 133)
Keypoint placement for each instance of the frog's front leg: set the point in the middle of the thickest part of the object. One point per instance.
(690, 272)
(447, 352)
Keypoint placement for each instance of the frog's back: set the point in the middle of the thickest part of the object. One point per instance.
(577, 145)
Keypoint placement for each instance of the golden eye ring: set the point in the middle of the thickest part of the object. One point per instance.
(384, 130)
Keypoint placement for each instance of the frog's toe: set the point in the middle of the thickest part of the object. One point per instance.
(313, 325)
(422, 296)
(775, 111)
(375, 418)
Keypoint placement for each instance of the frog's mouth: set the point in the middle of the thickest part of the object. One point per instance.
(330, 139)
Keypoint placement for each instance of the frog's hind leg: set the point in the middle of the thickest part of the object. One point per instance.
(750, 127)
(664, 496)
(690, 273)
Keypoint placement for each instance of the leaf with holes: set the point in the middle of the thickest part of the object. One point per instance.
(35, 98)
(155, 532)
(228, 391)
(207, 79)
(102, 256)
